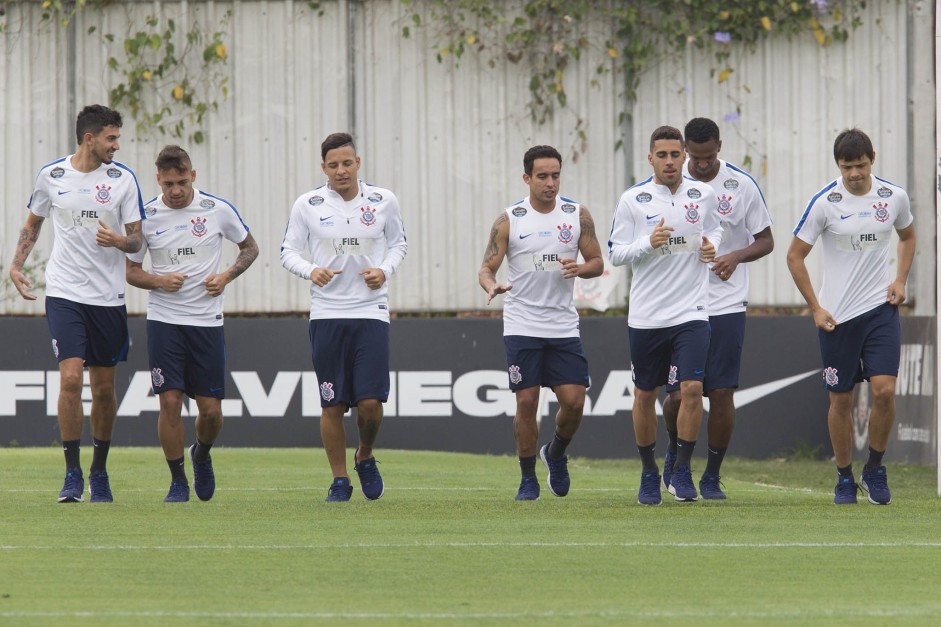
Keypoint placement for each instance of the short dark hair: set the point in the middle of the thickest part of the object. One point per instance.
(539, 152)
(852, 144)
(333, 141)
(701, 130)
(93, 118)
(666, 132)
(173, 157)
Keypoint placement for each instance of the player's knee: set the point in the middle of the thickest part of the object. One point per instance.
(883, 391)
(369, 407)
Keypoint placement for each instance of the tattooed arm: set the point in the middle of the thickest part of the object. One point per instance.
(28, 236)
(493, 258)
(248, 252)
(590, 249)
(106, 237)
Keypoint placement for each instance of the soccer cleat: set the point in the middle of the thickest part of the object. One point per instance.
(99, 487)
(874, 483)
(369, 478)
(179, 491)
(681, 485)
(668, 462)
(73, 487)
(649, 491)
(845, 491)
(710, 488)
(204, 479)
(529, 489)
(340, 490)
(558, 479)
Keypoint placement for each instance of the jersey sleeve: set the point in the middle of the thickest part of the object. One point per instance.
(905, 218)
(627, 242)
(396, 244)
(132, 205)
(812, 222)
(39, 202)
(233, 229)
(712, 220)
(757, 216)
(295, 244)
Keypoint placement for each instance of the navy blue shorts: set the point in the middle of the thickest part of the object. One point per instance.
(670, 355)
(96, 334)
(545, 361)
(858, 349)
(188, 358)
(351, 359)
(724, 361)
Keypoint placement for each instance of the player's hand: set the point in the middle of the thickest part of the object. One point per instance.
(896, 294)
(322, 276)
(707, 252)
(570, 268)
(823, 320)
(22, 284)
(215, 284)
(374, 278)
(725, 266)
(172, 282)
(661, 234)
(496, 290)
(106, 237)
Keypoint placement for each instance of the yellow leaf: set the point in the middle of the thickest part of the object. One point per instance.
(821, 37)
(221, 51)
(725, 74)
(46, 4)
(147, 75)
(724, 15)
(445, 52)
(765, 22)
(471, 40)
(612, 53)
(178, 92)
(795, 7)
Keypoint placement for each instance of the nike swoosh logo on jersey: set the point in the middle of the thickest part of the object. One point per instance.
(653, 216)
(64, 193)
(161, 232)
(525, 236)
(325, 219)
(842, 217)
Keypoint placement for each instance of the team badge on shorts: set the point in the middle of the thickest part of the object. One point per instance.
(692, 212)
(369, 216)
(565, 233)
(515, 376)
(882, 211)
(104, 194)
(326, 391)
(199, 226)
(671, 378)
(830, 377)
(725, 204)
(156, 376)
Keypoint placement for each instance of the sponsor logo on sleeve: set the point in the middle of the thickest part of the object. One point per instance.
(835, 197)
(694, 193)
(315, 200)
(643, 197)
(207, 203)
(519, 212)
(568, 208)
(57, 173)
(730, 184)
(375, 197)
(884, 192)
(114, 173)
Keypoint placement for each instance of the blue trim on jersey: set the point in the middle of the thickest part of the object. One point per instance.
(231, 206)
(886, 182)
(641, 183)
(151, 201)
(564, 199)
(750, 177)
(810, 204)
(140, 200)
(518, 202)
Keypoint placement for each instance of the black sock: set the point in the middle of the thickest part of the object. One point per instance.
(845, 472)
(72, 450)
(177, 469)
(556, 449)
(528, 466)
(714, 459)
(672, 446)
(201, 453)
(99, 460)
(648, 458)
(684, 452)
(875, 459)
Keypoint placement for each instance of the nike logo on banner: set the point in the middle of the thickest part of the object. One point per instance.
(842, 217)
(525, 236)
(161, 232)
(325, 219)
(653, 216)
(64, 193)
(750, 395)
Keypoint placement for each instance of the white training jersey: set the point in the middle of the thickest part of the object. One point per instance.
(188, 241)
(79, 269)
(743, 213)
(540, 302)
(366, 232)
(669, 285)
(856, 232)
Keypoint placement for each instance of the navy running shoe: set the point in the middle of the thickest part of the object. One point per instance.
(529, 489)
(668, 462)
(340, 490)
(179, 491)
(649, 491)
(711, 488)
(73, 487)
(369, 478)
(204, 479)
(845, 491)
(558, 479)
(874, 483)
(681, 485)
(99, 487)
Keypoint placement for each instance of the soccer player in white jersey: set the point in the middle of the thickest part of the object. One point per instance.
(542, 236)
(184, 232)
(90, 199)
(857, 314)
(667, 229)
(355, 239)
(746, 236)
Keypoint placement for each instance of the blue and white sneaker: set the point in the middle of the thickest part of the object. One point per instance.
(529, 489)
(340, 490)
(558, 479)
(179, 491)
(204, 479)
(845, 491)
(73, 487)
(711, 488)
(874, 483)
(99, 487)
(681, 485)
(369, 478)
(668, 462)
(649, 491)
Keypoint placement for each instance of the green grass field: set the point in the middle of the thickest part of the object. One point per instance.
(447, 544)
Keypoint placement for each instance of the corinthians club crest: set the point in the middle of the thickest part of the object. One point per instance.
(199, 227)
(368, 216)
